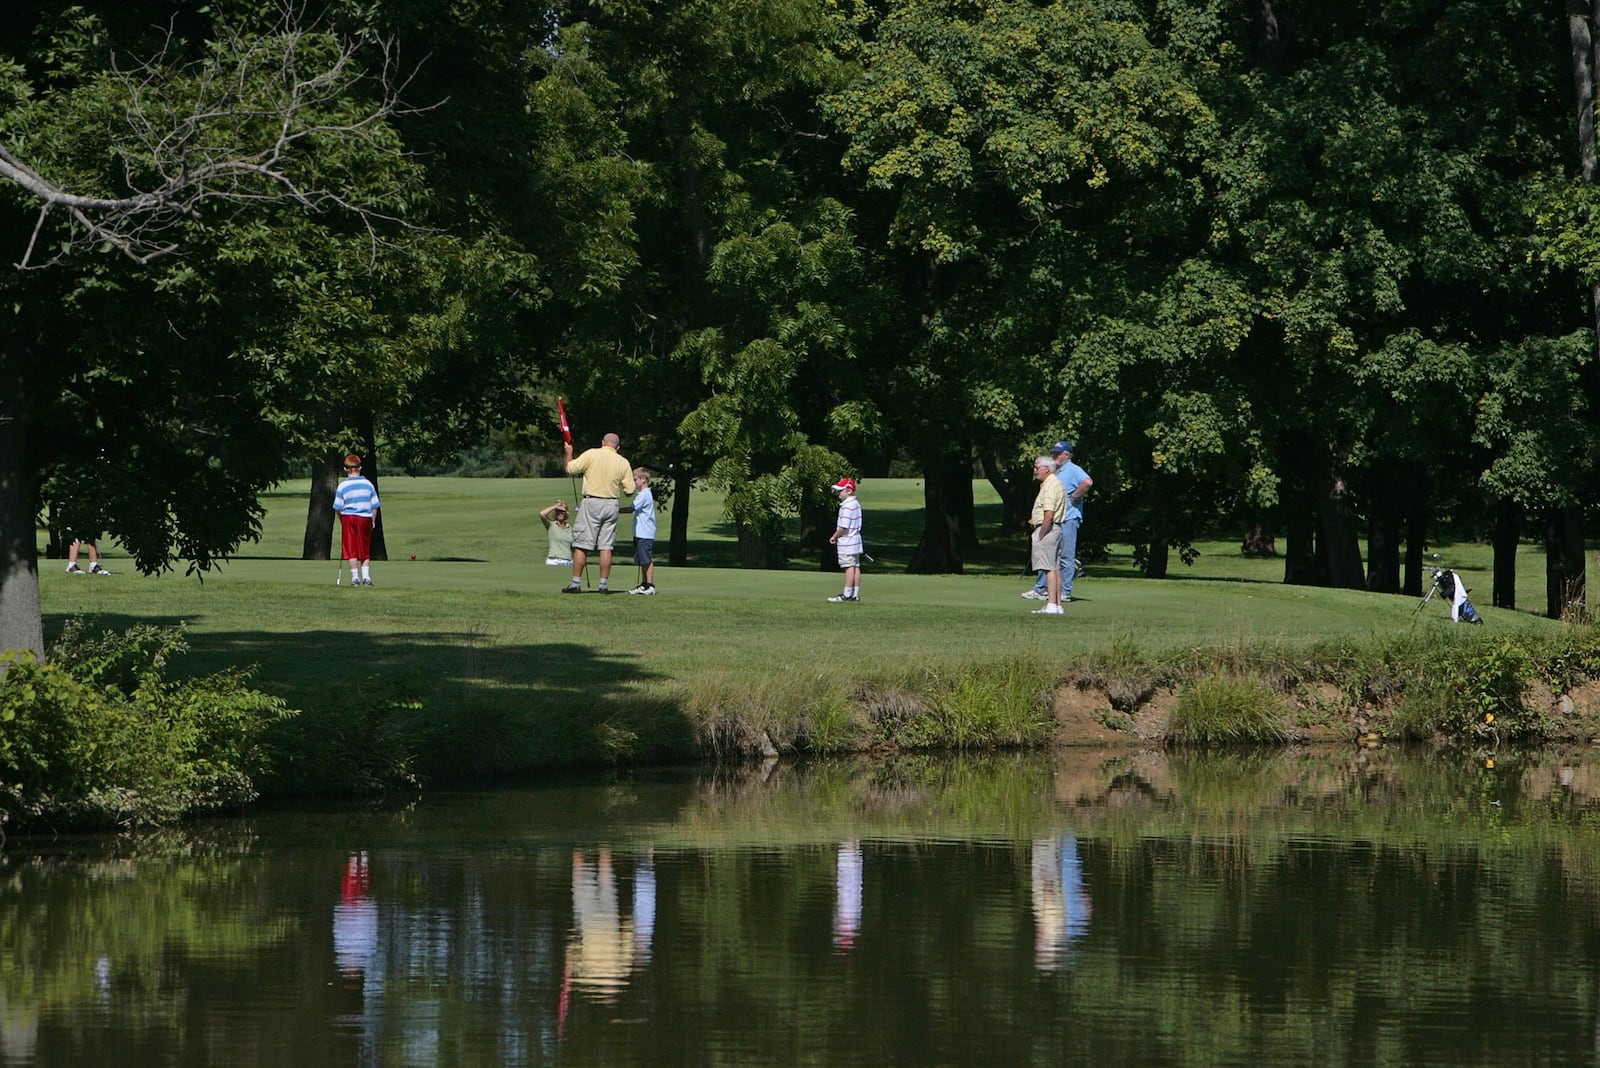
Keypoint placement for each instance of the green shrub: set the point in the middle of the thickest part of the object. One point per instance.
(99, 736)
(983, 706)
(364, 743)
(1226, 710)
(1489, 680)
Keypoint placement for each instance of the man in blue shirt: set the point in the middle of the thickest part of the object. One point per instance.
(1076, 481)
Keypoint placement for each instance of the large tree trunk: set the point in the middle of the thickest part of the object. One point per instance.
(318, 542)
(1338, 544)
(1300, 505)
(966, 508)
(755, 551)
(1158, 559)
(939, 551)
(1507, 535)
(369, 468)
(1016, 490)
(682, 487)
(1155, 554)
(1566, 592)
(1416, 528)
(21, 622)
(1383, 528)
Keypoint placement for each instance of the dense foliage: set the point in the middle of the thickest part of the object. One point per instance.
(101, 736)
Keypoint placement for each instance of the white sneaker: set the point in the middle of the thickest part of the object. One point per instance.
(845, 599)
(1050, 610)
(74, 569)
(96, 569)
(1034, 595)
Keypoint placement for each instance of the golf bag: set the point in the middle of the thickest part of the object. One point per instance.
(1452, 588)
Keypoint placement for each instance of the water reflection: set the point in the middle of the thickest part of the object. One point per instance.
(847, 896)
(1061, 906)
(1128, 908)
(355, 921)
(605, 948)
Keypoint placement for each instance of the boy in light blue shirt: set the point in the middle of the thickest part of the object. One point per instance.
(644, 532)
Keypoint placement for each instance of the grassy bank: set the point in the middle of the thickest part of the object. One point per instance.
(468, 661)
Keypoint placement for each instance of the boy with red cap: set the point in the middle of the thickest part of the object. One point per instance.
(356, 501)
(847, 538)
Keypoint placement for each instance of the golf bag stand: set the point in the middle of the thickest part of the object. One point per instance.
(1448, 584)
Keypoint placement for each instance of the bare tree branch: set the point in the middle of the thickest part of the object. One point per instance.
(242, 126)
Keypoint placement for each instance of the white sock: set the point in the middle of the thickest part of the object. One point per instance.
(366, 572)
(355, 571)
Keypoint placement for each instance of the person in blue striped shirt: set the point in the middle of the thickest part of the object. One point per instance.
(356, 501)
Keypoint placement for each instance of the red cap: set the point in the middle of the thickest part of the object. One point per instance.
(845, 484)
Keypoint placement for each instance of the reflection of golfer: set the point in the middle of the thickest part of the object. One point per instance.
(606, 476)
(601, 952)
(847, 896)
(356, 501)
(1061, 905)
(355, 919)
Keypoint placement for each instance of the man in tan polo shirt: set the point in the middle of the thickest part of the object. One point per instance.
(1045, 540)
(605, 475)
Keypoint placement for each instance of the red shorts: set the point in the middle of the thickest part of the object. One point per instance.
(355, 536)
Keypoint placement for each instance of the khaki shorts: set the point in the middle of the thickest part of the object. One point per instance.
(595, 527)
(1046, 550)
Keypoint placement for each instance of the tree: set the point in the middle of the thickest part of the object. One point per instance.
(204, 137)
(1025, 149)
(727, 352)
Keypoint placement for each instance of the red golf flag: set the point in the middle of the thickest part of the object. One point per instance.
(566, 431)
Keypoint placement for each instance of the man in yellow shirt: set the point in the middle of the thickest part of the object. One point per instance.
(606, 475)
(1045, 540)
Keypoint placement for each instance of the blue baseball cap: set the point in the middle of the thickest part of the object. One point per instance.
(1060, 447)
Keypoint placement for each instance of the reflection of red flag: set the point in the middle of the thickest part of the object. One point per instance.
(566, 431)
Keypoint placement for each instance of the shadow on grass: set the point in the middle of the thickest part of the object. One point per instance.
(382, 710)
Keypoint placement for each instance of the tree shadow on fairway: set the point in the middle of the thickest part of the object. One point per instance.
(381, 710)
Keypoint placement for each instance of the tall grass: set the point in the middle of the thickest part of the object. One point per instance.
(1226, 710)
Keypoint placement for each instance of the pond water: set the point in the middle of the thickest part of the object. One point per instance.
(1085, 908)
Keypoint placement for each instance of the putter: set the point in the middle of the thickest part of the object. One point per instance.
(338, 572)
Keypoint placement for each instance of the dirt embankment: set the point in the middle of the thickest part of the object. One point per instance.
(1089, 715)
